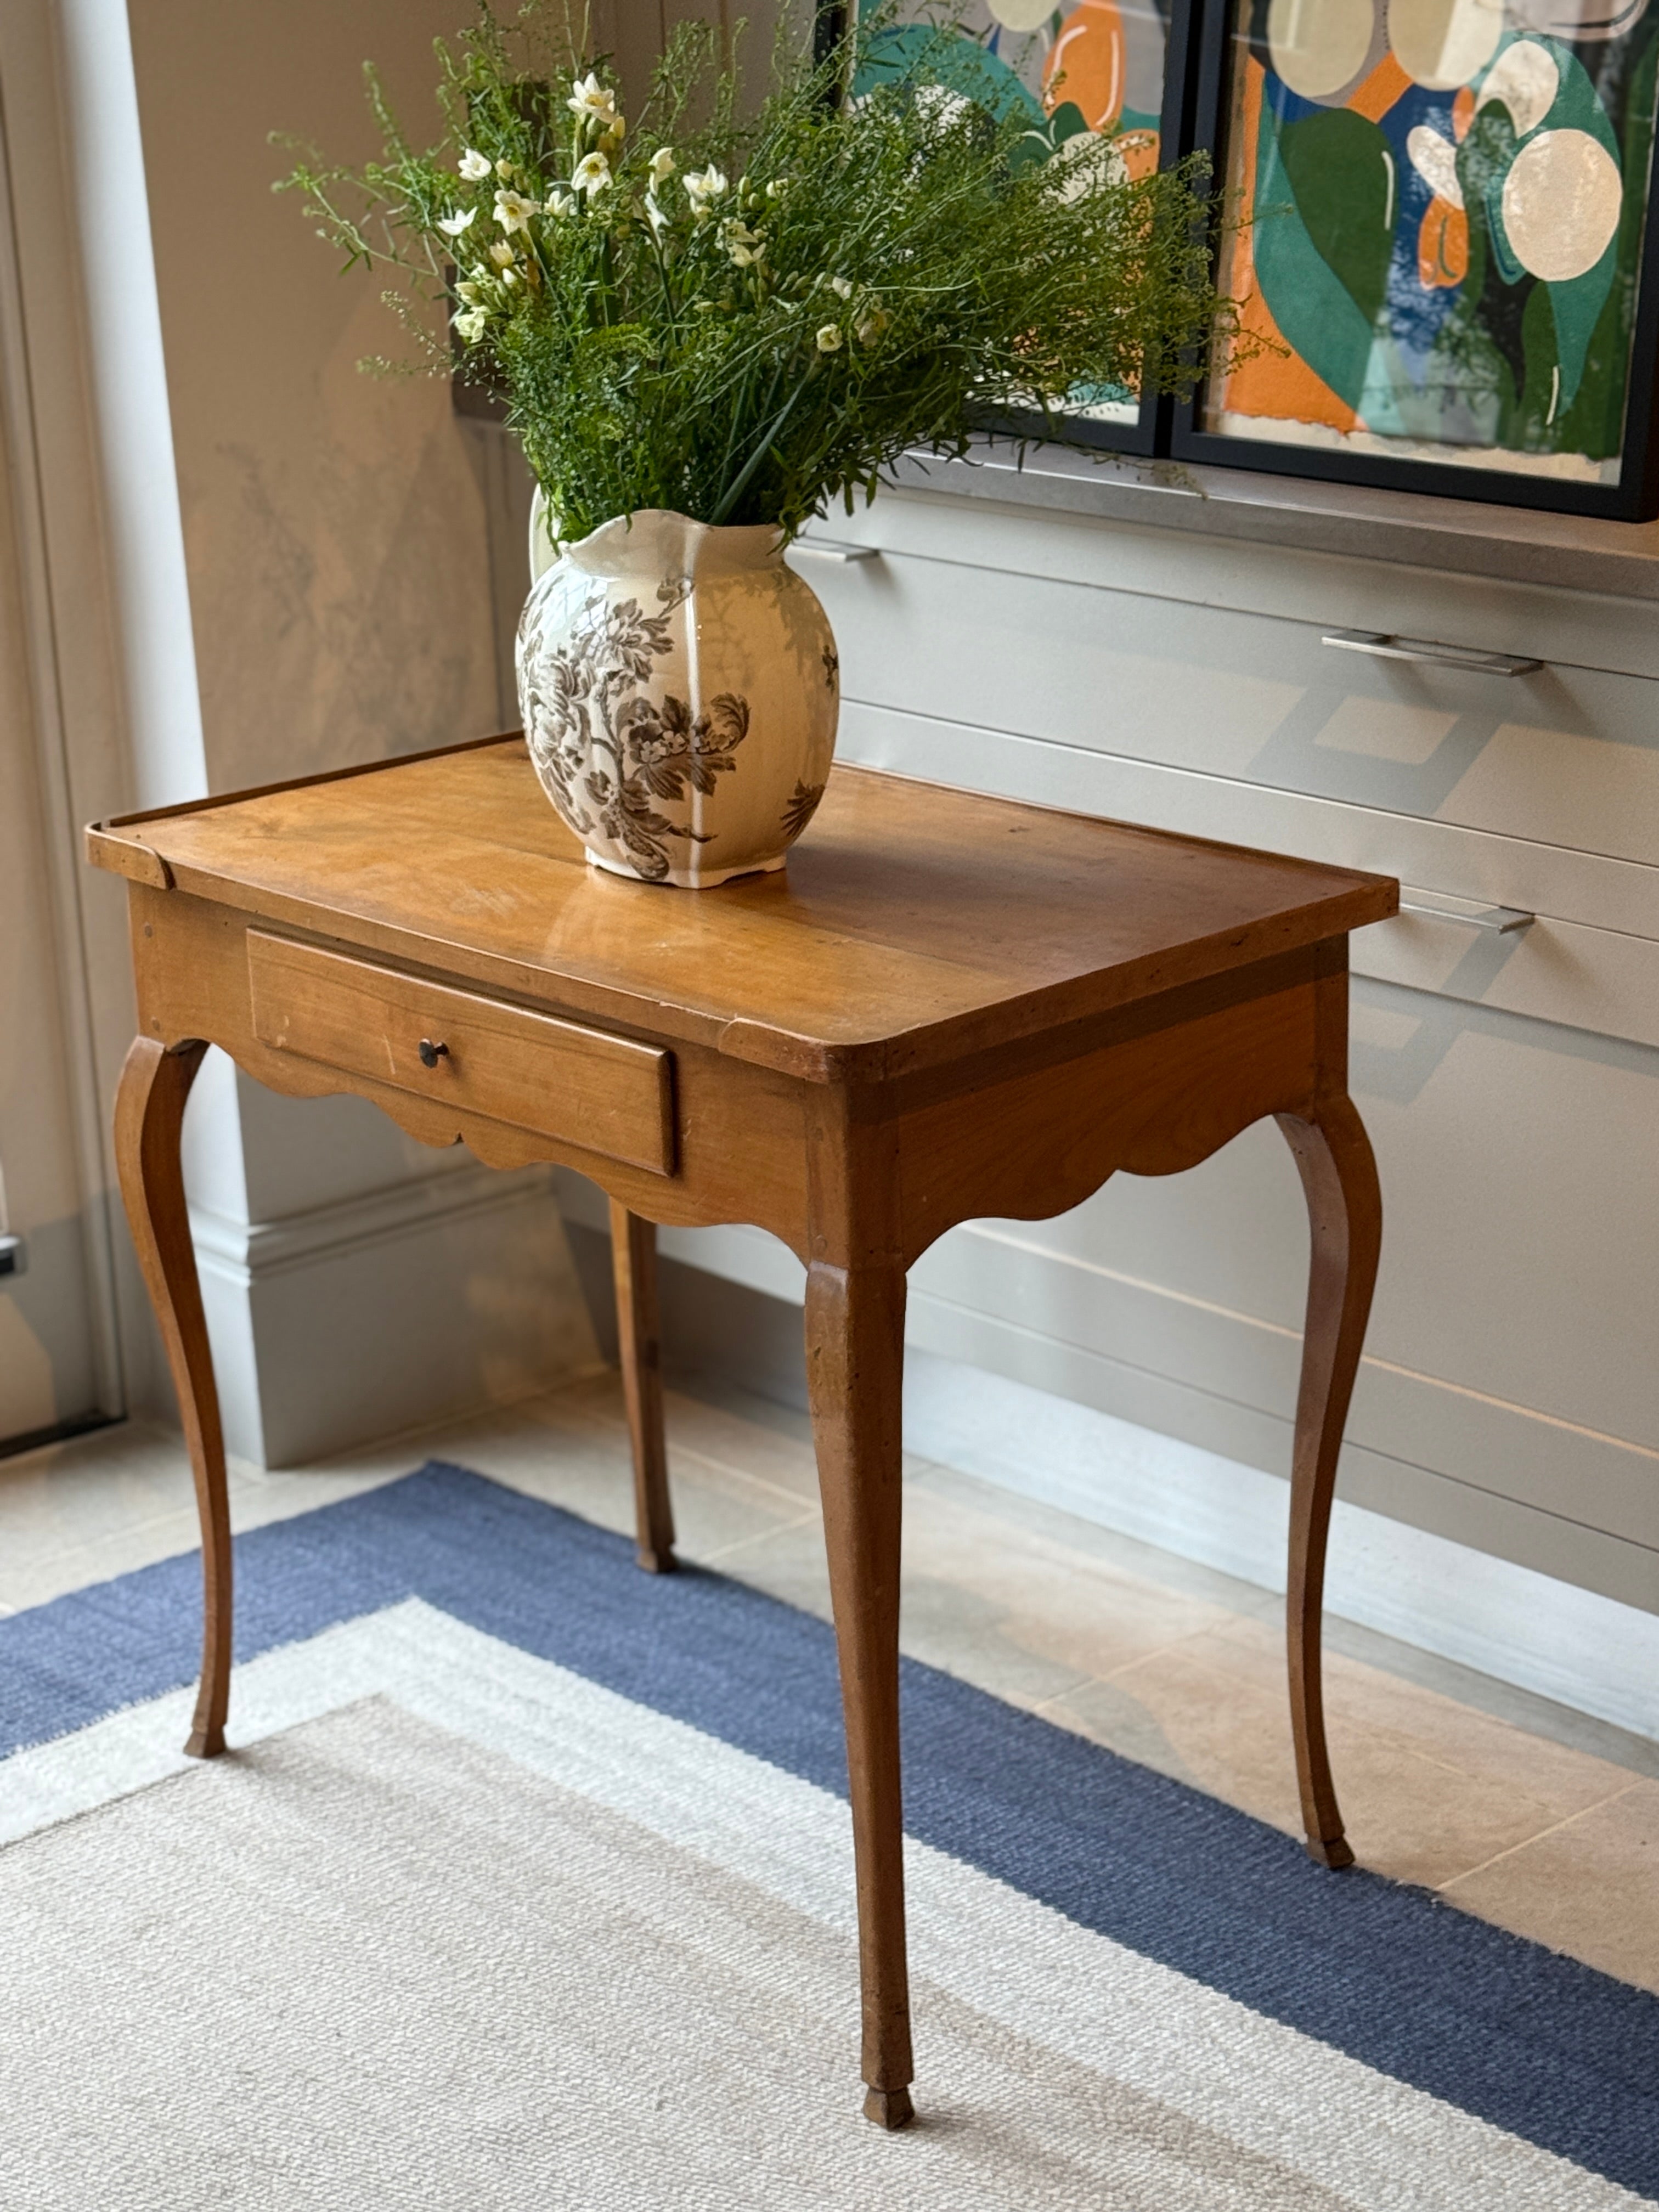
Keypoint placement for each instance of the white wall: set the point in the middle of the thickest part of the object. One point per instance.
(296, 566)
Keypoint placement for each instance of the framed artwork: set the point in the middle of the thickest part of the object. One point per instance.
(1117, 65)
(1439, 215)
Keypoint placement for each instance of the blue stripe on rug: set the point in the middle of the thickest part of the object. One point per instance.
(1550, 2049)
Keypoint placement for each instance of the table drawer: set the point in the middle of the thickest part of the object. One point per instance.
(605, 1093)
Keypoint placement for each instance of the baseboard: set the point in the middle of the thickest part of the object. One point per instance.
(413, 1305)
(1572, 1645)
(730, 1303)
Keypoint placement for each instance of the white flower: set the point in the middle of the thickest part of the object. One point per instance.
(654, 215)
(453, 225)
(514, 211)
(502, 254)
(470, 292)
(830, 338)
(841, 288)
(559, 202)
(662, 165)
(474, 165)
(703, 186)
(744, 246)
(591, 174)
(503, 168)
(872, 326)
(470, 323)
(589, 98)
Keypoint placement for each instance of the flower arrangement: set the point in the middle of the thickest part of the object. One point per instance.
(738, 316)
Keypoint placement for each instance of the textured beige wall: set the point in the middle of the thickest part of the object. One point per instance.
(335, 525)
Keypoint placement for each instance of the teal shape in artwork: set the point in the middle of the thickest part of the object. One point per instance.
(1576, 303)
(961, 63)
(1576, 306)
(1577, 105)
(1322, 242)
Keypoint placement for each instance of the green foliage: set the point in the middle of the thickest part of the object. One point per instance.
(740, 316)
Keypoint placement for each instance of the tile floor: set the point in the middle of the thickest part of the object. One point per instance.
(1511, 1808)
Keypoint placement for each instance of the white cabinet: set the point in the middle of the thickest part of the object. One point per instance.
(1510, 1395)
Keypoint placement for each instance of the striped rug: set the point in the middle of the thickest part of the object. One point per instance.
(529, 1886)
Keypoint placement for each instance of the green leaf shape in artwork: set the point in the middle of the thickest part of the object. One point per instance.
(1326, 302)
(1341, 168)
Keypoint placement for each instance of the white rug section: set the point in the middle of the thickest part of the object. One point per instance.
(1056, 2068)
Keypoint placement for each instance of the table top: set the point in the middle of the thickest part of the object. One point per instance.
(913, 925)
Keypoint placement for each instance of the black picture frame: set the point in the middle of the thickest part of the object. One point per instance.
(1634, 498)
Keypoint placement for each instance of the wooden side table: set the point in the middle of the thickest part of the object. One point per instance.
(948, 1007)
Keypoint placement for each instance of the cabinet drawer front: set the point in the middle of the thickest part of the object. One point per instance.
(605, 1093)
(1564, 755)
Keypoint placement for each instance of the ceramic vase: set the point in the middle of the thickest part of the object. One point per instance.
(679, 691)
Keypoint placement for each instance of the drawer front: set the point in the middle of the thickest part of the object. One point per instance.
(1564, 755)
(604, 1093)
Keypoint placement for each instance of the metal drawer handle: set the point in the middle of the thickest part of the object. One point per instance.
(1500, 919)
(834, 548)
(1382, 645)
(431, 1053)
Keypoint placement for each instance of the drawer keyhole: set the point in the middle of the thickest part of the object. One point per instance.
(431, 1053)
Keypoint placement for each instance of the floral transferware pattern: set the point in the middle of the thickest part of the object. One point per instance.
(679, 691)
(604, 747)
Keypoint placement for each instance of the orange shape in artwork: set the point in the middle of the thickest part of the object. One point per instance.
(1279, 386)
(1088, 56)
(1443, 246)
(1137, 151)
(1462, 112)
(1375, 94)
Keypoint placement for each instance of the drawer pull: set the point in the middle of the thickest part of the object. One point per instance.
(835, 549)
(1501, 919)
(1382, 645)
(431, 1053)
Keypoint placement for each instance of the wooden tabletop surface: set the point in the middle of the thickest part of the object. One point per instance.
(913, 923)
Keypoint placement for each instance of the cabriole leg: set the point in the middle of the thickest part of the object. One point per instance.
(1345, 1214)
(149, 1112)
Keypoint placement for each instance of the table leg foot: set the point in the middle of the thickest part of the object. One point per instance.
(653, 1562)
(889, 2108)
(1336, 1851)
(204, 1743)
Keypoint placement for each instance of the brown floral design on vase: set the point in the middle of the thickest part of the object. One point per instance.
(603, 748)
(634, 720)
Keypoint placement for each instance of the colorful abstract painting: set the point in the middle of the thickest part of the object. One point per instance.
(1437, 217)
(1094, 67)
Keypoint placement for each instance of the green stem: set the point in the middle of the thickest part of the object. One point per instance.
(752, 465)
